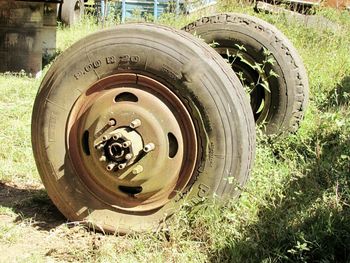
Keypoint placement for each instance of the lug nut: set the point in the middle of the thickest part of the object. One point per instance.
(116, 136)
(149, 147)
(138, 169)
(99, 146)
(105, 138)
(121, 166)
(135, 123)
(126, 144)
(111, 166)
(128, 156)
(112, 122)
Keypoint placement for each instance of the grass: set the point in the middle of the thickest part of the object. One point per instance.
(16, 159)
(295, 208)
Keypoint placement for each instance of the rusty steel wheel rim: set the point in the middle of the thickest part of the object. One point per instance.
(132, 142)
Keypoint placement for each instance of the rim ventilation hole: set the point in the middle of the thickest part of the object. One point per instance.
(173, 145)
(85, 142)
(126, 96)
(130, 190)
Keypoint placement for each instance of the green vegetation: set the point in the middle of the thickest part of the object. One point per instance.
(295, 208)
(17, 95)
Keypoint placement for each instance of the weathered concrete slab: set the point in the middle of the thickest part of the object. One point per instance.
(27, 35)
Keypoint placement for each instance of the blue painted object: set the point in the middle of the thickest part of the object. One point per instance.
(156, 8)
(123, 11)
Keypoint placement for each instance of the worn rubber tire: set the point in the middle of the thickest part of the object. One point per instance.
(71, 11)
(290, 91)
(200, 78)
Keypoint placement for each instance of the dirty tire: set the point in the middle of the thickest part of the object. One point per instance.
(71, 11)
(282, 109)
(131, 85)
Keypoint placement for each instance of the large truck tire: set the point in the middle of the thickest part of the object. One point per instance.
(131, 121)
(267, 63)
(71, 11)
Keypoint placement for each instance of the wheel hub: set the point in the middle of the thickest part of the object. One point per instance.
(132, 142)
(120, 148)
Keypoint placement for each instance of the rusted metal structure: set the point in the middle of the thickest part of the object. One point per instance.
(27, 34)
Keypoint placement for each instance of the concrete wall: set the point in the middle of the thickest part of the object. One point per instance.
(27, 30)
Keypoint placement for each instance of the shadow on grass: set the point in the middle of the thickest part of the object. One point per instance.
(311, 221)
(31, 204)
(339, 96)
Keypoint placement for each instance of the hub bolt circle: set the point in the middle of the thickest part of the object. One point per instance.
(112, 122)
(110, 166)
(121, 166)
(135, 123)
(128, 156)
(116, 136)
(126, 144)
(99, 147)
(138, 169)
(149, 147)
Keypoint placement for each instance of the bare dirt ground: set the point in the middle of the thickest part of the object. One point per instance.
(33, 230)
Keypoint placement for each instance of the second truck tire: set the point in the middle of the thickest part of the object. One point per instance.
(71, 11)
(267, 63)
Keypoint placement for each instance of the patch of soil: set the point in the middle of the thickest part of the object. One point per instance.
(31, 201)
(41, 232)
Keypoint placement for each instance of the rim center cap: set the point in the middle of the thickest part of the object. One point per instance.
(116, 151)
